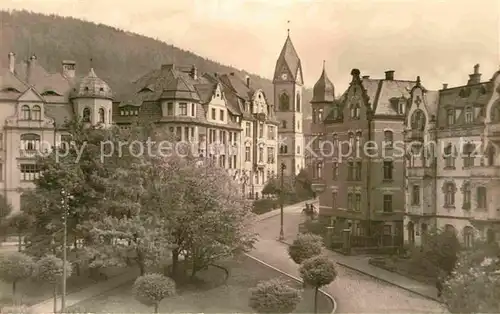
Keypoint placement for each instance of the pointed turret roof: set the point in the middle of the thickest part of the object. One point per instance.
(91, 86)
(290, 59)
(323, 90)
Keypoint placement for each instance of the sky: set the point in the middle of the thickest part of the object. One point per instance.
(438, 40)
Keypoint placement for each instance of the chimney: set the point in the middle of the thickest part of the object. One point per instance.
(389, 75)
(12, 62)
(365, 77)
(248, 81)
(355, 74)
(29, 70)
(68, 69)
(445, 85)
(194, 73)
(475, 78)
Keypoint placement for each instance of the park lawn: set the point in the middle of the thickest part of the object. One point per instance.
(231, 297)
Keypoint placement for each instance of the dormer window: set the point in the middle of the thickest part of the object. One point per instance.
(468, 115)
(450, 117)
(101, 116)
(129, 112)
(101, 89)
(401, 108)
(10, 89)
(355, 111)
(50, 93)
(36, 113)
(25, 113)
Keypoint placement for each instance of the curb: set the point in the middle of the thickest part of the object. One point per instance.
(332, 300)
(381, 279)
(390, 282)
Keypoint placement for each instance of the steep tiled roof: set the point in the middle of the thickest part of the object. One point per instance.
(91, 86)
(11, 87)
(323, 90)
(391, 90)
(289, 58)
(41, 80)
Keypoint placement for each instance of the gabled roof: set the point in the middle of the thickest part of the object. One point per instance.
(42, 80)
(290, 59)
(10, 85)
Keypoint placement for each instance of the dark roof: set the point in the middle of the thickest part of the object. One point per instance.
(323, 90)
(91, 86)
(290, 59)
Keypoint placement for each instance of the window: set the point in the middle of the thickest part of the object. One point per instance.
(466, 190)
(283, 149)
(247, 153)
(320, 115)
(283, 124)
(357, 144)
(298, 103)
(271, 134)
(335, 112)
(213, 114)
(387, 203)
(29, 172)
(357, 171)
(86, 115)
(36, 113)
(418, 120)
(357, 203)
(468, 237)
(468, 115)
(248, 129)
(298, 149)
(415, 195)
(481, 197)
(193, 110)
(350, 201)
(449, 197)
(170, 109)
(261, 154)
(284, 102)
(388, 138)
(222, 161)
(449, 156)
(319, 170)
(388, 169)
(334, 200)
(30, 142)
(270, 155)
(25, 113)
(450, 117)
(387, 230)
(261, 130)
(101, 115)
(335, 170)
(350, 170)
(491, 155)
(355, 110)
(183, 109)
(178, 133)
(468, 156)
(222, 115)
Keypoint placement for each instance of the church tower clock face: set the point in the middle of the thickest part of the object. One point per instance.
(284, 76)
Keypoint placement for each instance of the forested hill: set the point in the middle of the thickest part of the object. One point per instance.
(118, 56)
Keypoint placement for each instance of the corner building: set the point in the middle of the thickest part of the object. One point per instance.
(451, 184)
(35, 105)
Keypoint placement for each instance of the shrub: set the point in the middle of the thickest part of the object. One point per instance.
(15, 267)
(317, 272)
(50, 269)
(305, 246)
(263, 206)
(150, 289)
(274, 296)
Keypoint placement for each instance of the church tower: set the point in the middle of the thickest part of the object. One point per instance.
(288, 87)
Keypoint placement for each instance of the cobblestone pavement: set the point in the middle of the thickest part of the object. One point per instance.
(354, 292)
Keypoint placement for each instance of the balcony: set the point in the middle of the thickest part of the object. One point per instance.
(485, 171)
(415, 135)
(415, 210)
(420, 172)
(28, 153)
(493, 132)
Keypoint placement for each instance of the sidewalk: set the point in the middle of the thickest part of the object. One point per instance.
(286, 209)
(47, 306)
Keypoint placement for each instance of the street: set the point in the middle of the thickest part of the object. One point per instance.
(353, 291)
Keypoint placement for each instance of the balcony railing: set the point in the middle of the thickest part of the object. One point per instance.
(420, 172)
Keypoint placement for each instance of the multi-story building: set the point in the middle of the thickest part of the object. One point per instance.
(451, 184)
(363, 176)
(288, 86)
(223, 116)
(34, 106)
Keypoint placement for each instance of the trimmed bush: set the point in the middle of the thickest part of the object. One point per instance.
(50, 269)
(317, 272)
(305, 246)
(150, 289)
(15, 267)
(264, 205)
(274, 296)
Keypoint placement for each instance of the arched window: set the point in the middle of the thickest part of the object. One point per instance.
(36, 113)
(449, 156)
(469, 117)
(284, 102)
(491, 154)
(355, 110)
(449, 194)
(466, 190)
(298, 103)
(468, 234)
(30, 141)
(25, 113)
(418, 120)
(319, 170)
(86, 115)
(102, 116)
(388, 138)
(450, 228)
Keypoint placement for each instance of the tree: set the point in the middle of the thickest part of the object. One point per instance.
(305, 246)
(274, 296)
(49, 269)
(5, 211)
(14, 267)
(303, 184)
(317, 272)
(441, 250)
(474, 286)
(21, 223)
(150, 289)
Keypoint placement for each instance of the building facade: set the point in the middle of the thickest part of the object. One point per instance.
(452, 168)
(222, 117)
(35, 106)
(288, 87)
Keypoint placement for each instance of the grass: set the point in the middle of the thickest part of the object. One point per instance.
(215, 297)
(407, 267)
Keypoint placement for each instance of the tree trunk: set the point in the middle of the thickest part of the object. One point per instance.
(175, 262)
(142, 269)
(157, 305)
(316, 300)
(14, 288)
(54, 292)
(19, 242)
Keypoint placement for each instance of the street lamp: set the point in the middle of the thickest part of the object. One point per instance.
(282, 169)
(64, 204)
